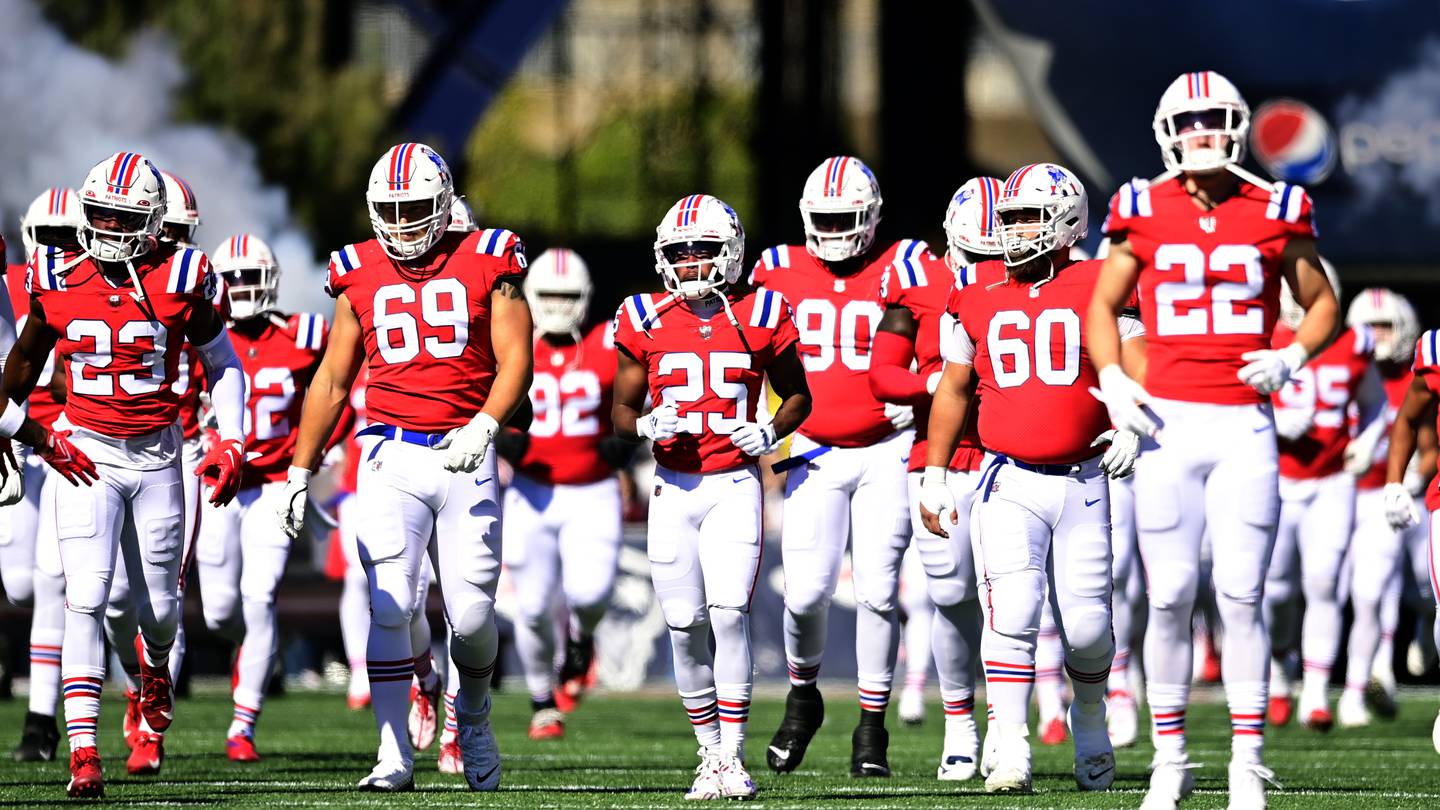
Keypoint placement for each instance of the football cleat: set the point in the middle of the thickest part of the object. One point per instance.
(131, 722)
(1055, 731)
(1435, 733)
(1123, 719)
(450, 759)
(87, 781)
(424, 720)
(38, 740)
(478, 750)
(577, 674)
(1380, 697)
(1012, 762)
(912, 706)
(1351, 711)
(547, 724)
(707, 777)
(1171, 782)
(148, 755)
(1096, 771)
(357, 702)
(735, 781)
(157, 702)
(241, 748)
(804, 713)
(961, 755)
(869, 749)
(1280, 710)
(1247, 785)
(1319, 719)
(389, 776)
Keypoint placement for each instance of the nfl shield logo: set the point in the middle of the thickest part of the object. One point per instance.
(1207, 224)
(706, 331)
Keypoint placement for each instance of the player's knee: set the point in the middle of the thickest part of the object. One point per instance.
(878, 606)
(86, 595)
(1172, 594)
(728, 622)
(20, 590)
(1088, 631)
(1015, 618)
(221, 616)
(590, 597)
(950, 592)
(807, 601)
(684, 614)
(387, 611)
(164, 611)
(1320, 589)
(470, 616)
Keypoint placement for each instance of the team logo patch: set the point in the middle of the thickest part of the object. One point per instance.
(1207, 224)
(706, 332)
(1293, 142)
(114, 301)
(657, 490)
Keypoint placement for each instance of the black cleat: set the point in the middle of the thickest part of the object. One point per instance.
(869, 747)
(804, 712)
(39, 739)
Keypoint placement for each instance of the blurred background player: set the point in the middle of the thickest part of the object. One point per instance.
(915, 295)
(847, 464)
(562, 511)
(1208, 380)
(703, 353)
(441, 323)
(1317, 508)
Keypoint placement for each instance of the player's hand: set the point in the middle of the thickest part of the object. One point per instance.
(220, 468)
(12, 491)
(661, 423)
(1292, 423)
(1127, 401)
(900, 416)
(1400, 511)
(1267, 370)
(466, 445)
(1360, 452)
(1119, 458)
(292, 502)
(754, 439)
(937, 502)
(66, 459)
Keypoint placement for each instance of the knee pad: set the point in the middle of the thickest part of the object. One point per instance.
(387, 611)
(221, 618)
(1172, 592)
(85, 594)
(1017, 617)
(1088, 631)
(883, 609)
(470, 614)
(951, 591)
(725, 621)
(683, 614)
(811, 602)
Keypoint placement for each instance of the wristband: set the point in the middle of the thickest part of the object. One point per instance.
(11, 420)
(934, 475)
(298, 475)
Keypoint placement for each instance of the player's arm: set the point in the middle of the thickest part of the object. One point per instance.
(1119, 390)
(630, 384)
(511, 333)
(225, 379)
(22, 369)
(1301, 265)
(1429, 444)
(26, 361)
(891, 353)
(1399, 504)
(329, 393)
(787, 380)
(948, 412)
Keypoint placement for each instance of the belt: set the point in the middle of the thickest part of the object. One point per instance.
(399, 434)
(992, 470)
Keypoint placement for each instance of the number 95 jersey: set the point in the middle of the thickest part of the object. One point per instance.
(426, 326)
(707, 368)
(571, 395)
(1209, 280)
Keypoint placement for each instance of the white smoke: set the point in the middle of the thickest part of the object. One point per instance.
(66, 109)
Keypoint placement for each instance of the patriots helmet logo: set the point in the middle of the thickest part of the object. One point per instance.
(964, 196)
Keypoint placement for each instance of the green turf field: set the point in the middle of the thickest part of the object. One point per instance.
(637, 751)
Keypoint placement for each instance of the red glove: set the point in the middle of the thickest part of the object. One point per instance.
(221, 469)
(67, 459)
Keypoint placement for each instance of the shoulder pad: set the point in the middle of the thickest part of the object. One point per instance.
(776, 257)
(765, 309)
(309, 331)
(343, 262)
(1427, 349)
(190, 271)
(1133, 199)
(641, 311)
(45, 270)
(908, 269)
(1286, 202)
(495, 241)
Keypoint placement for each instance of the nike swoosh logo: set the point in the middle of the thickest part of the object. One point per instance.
(870, 766)
(783, 756)
(741, 478)
(956, 759)
(1097, 774)
(482, 780)
(480, 482)
(1089, 502)
(1262, 428)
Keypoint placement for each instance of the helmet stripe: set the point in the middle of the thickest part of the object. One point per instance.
(130, 172)
(409, 158)
(57, 201)
(1013, 183)
(840, 163)
(118, 171)
(1205, 74)
(830, 177)
(560, 262)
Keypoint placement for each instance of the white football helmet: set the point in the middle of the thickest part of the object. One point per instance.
(1393, 319)
(1291, 313)
(1201, 123)
(970, 222)
(54, 218)
(182, 215)
(558, 289)
(462, 217)
(1058, 197)
(251, 275)
(409, 195)
(123, 201)
(840, 209)
(702, 232)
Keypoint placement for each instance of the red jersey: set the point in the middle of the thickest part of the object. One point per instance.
(710, 370)
(122, 356)
(836, 319)
(1209, 280)
(1427, 366)
(279, 363)
(1396, 383)
(1025, 345)
(571, 396)
(1327, 384)
(42, 405)
(188, 385)
(427, 328)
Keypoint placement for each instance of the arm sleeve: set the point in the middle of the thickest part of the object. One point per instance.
(891, 379)
(227, 386)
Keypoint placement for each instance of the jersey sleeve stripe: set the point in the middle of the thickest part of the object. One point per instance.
(765, 312)
(180, 271)
(1427, 348)
(642, 314)
(772, 258)
(494, 241)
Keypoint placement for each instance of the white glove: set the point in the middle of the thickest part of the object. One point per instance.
(754, 439)
(1414, 481)
(1360, 452)
(900, 416)
(1400, 511)
(1119, 458)
(292, 502)
(661, 423)
(13, 490)
(1292, 423)
(1267, 370)
(936, 497)
(1126, 400)
(933, 381)
(465, 446)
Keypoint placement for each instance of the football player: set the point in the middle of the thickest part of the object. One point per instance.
(1317, 507)
(1041, 518)
(1206, 244)
(847, 465)
(440, 321)
(119, 318)
(241, 551)
(53, 221)
(915, 294)
(702, 353)
(1378, 572)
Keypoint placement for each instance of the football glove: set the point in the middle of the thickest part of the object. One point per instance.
(292, 502)
(1360, 452)
(754, 439)
(1293, 423)
(1127, 401)
(1119, 458)
(66, 459)
(1400, 511)
(933, 382)
(900, 416)
(1267, 370)
(220, 468)
(12, 491)
(937, 502)
(465, 446)
(661, 423)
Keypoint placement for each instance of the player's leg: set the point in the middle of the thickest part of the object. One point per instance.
(1121, 713)
(17, 542)
(1049, 684)
(1372, 571)
(266, 551)
(1423, 650)
(1434, 579)
(532, 556)
(40, 738)
(1281, 602)
(729, 556)
(354, 606)
(918, 612)
(1324, 539)
(191, 454)
(218, 560)
(590, 541)
(466, 556)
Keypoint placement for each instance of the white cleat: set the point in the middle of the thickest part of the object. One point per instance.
(1247, 785)
(735, 781)
(1350, 712)
(477, 747)
(1170, 783)
(912, 706)
(707, 777)
(1096, 771)
(1435, 733)
(988, 757)
(961, 755)
(389, 776)
(1123, 718)
(1011, 773)
(1094, 754)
